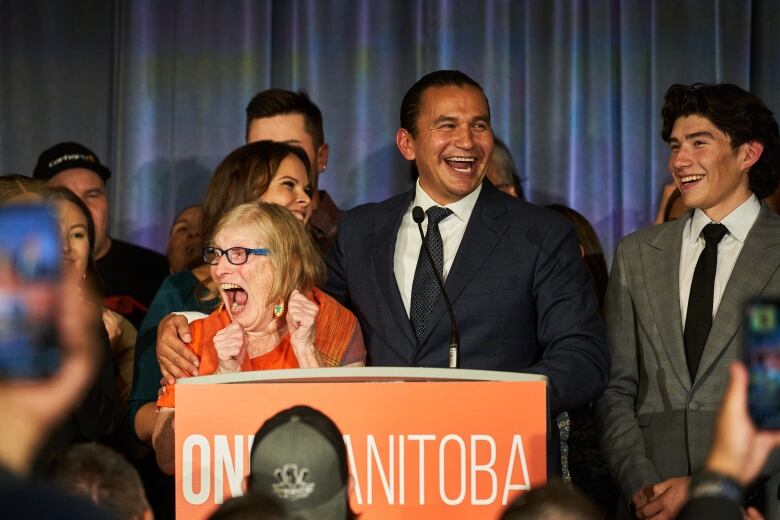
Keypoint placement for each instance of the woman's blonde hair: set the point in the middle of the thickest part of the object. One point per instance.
(296, 262)
(13, 185)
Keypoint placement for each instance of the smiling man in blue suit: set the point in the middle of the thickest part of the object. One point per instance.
(522, 299)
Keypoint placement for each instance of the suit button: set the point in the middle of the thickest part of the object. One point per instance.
(693, 405)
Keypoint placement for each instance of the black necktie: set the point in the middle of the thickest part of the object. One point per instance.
(698, 319)
(425, 290)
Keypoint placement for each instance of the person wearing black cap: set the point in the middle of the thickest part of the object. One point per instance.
(130, 274)
(299, 457)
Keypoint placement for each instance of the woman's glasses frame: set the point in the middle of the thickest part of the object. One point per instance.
(235, 255)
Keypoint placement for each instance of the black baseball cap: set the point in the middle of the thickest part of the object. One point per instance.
(299, 457)
(64, 156)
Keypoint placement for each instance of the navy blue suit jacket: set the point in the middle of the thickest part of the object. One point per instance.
(523, 301)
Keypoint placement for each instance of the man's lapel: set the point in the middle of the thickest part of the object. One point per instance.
(660, 258)
(382, 249)
(757, 262)
(483, 232)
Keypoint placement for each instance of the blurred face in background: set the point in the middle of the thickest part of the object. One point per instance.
(75, 240)
(90, 188)
(184, 243)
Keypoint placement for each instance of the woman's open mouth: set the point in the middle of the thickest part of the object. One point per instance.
(235, 297)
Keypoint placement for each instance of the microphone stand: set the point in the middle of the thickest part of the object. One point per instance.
(418, 215)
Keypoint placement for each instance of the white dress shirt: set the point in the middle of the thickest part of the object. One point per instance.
(408, 242)
(738, 222)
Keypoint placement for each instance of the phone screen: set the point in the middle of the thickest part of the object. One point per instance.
(30, 260)
(762, 357)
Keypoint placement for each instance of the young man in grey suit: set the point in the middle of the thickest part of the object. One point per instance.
(675, 294)
(521, 298)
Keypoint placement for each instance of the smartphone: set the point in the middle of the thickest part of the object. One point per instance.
(762, 358)
(30, 260)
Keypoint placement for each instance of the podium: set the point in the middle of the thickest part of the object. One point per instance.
(421, 442)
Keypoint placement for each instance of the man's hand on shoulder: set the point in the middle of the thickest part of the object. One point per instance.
(175, 359)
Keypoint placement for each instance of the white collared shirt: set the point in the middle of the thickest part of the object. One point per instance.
(408, 241)
(738, 222)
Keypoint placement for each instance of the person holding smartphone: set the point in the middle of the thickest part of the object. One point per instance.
(739, 451)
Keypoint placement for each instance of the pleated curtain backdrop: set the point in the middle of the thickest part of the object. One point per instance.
(158, 88)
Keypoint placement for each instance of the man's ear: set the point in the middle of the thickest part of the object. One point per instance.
(751, 153)
(405, 143)
(322, 158)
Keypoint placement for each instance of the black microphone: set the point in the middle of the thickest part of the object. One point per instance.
(418, 215)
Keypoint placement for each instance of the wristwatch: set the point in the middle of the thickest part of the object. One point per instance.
(710, 484)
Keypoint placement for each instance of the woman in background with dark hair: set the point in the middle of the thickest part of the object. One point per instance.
(97, 416)
(583, 461)
(78, 236)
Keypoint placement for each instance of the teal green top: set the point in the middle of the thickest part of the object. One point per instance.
(178, 292)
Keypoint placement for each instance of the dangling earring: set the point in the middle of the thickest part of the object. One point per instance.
(278, 310)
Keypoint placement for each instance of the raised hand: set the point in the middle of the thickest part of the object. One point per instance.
(231, 347)
(301, 318)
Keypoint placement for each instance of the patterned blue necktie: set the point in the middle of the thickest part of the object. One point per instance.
(425, 290)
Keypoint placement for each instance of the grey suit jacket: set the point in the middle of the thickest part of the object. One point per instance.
(655, 423)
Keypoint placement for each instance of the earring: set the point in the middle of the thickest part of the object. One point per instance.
(278, 310)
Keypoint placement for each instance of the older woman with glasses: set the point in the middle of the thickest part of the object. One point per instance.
(272, 316)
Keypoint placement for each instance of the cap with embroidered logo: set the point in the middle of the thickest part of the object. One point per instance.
(64, 156)
(299, 457)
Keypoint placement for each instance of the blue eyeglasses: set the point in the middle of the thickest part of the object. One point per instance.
(235, 255)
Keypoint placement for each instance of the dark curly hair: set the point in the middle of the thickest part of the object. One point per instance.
(740, 115)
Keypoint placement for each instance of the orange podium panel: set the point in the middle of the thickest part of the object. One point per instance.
(421, 443)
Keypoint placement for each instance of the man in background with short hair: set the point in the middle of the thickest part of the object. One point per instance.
(292, 117)
(130, 274)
